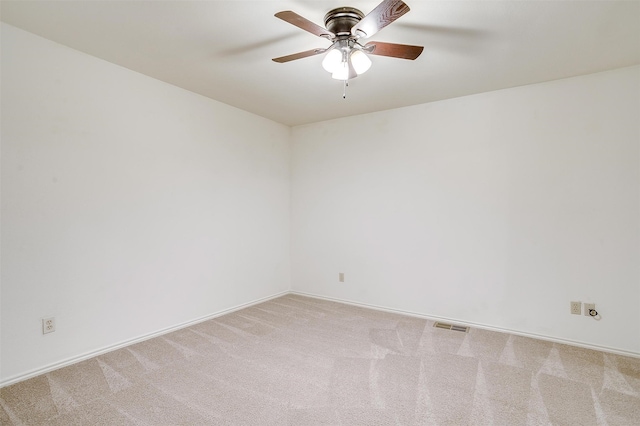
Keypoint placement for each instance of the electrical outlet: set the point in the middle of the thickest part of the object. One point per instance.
(587, 307)
(576, 307)
(341, 277)
(48, 325)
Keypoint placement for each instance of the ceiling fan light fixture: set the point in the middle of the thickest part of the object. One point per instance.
(342, 72)
(332, 60)
(347, 58)
(360, 61)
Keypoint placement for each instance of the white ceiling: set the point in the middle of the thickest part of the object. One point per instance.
(223, 49)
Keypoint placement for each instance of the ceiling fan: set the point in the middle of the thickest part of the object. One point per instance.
(345, 26)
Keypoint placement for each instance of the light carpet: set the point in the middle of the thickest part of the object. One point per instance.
(302, 361)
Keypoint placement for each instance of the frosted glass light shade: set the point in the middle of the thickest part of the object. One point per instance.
(332, 60)
(360, 61)
(342, 72)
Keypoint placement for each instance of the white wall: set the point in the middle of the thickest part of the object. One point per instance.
(496, 209)
(128, 205)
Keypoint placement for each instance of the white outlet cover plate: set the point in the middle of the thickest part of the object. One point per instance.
(575, 308)
(48, 325)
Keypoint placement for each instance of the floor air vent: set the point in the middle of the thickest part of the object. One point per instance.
(453, 327)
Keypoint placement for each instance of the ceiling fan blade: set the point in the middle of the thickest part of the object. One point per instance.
(384, 14)
(303, 23)
(299, 55)
(403, 51)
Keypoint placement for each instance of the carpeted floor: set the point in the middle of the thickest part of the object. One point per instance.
(302, 361)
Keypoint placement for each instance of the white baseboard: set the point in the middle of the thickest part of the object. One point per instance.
(476, 325)
(75, 359)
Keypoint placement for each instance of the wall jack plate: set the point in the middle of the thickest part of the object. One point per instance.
(48, 325)
(587, 307)
(576, 307)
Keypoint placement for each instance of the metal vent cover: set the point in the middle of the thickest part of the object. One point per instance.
(453, 327)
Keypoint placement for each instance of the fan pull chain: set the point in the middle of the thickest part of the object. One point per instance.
(344, 88)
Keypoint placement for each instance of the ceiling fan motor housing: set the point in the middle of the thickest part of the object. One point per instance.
(340, 20)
